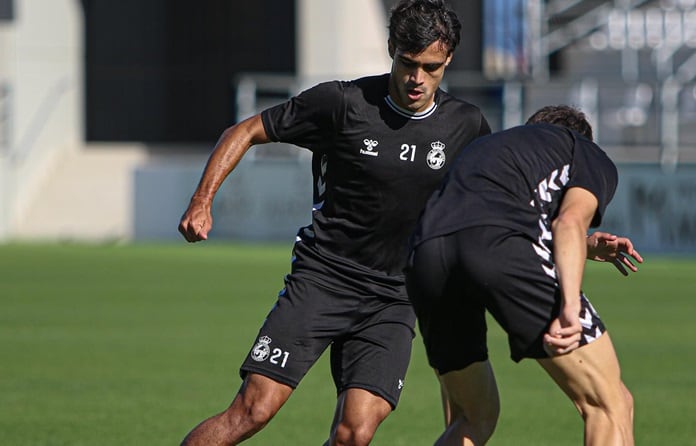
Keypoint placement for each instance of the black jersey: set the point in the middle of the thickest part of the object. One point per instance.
(516, 179)
(374, 165)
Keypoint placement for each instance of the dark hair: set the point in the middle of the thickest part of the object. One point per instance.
(415, 24)
(563, 115)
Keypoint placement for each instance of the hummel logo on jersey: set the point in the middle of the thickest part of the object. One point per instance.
(436, 156)
(369, 149)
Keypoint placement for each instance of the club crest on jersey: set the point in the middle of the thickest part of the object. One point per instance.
(436, 156)
(261, 350)
(369, 149)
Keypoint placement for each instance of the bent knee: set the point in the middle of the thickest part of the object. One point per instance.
(472, 430)
(484, 423)
(483, 417)
(258, 414)
(488, 421)
(628, 398)
(258, 401)
(620, 407)
(250, 416)
(345, 435)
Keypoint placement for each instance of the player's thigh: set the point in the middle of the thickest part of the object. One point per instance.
(451, 315)
(471, 392)
(520, 288)
(590, 376)
(295, 332)
(361, 408)
(375, 356)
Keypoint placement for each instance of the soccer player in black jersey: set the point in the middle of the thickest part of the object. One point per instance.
(380, 146)
(507, 234)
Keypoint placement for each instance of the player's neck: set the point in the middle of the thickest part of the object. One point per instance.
(409, 113)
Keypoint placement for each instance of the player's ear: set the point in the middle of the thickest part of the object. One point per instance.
(448, 60)
(391, 48)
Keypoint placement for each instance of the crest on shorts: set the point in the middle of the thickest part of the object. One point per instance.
(436, 156)
(261, 350)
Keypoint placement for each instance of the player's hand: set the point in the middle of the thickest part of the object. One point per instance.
(605, 247)
(564, 333)
(196, 221)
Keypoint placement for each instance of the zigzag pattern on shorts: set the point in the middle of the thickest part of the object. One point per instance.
(592, 325)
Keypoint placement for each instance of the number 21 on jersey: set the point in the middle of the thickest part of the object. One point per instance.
(408, 152)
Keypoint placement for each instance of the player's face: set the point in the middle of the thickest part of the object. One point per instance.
(415, 77)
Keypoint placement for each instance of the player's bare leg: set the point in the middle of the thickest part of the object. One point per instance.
(358, 415)
(258, 400)
(591, 377)
(446, 409)
(471, 404)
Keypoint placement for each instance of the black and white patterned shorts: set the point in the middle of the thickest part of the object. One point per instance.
(454, 280)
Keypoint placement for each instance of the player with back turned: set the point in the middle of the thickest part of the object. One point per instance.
(507, 234)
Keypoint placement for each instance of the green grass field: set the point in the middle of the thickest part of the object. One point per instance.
(134, 344)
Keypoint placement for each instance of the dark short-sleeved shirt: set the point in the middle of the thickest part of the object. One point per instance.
(516, 179)
(374, 165)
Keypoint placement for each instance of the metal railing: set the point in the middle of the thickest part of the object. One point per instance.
(635, 114)
(653, 105)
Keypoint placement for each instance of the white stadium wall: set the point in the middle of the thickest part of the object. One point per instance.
(656, 209)
(41, 77)
(265, 199)
(270, 200)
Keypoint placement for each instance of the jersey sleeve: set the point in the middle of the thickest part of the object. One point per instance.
(594, 171)
(484, 127)
(306, 119)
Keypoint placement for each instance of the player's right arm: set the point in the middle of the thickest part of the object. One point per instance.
(229, 150)
(569, 228)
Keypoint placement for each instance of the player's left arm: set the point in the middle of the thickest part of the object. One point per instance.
(606, 247)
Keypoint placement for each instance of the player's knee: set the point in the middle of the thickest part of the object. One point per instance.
(628, 400)
(248, 417)
(484, 423)
(351, 435)
(484, 418)
(257, 402)
(258, 415)
(474, 429)
(617, 410)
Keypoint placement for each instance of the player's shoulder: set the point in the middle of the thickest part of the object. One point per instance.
(445, 99)
(379, 81)
(361, 93)
(542, 131)
(366, 87)
(458, 108)
(461, 113)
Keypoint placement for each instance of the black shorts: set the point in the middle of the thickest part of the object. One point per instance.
(453, 279)
(368, 325)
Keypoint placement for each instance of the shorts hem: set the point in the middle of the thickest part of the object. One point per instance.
(374, 390)
(539, 353)
(245, 370)
(453, 367)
